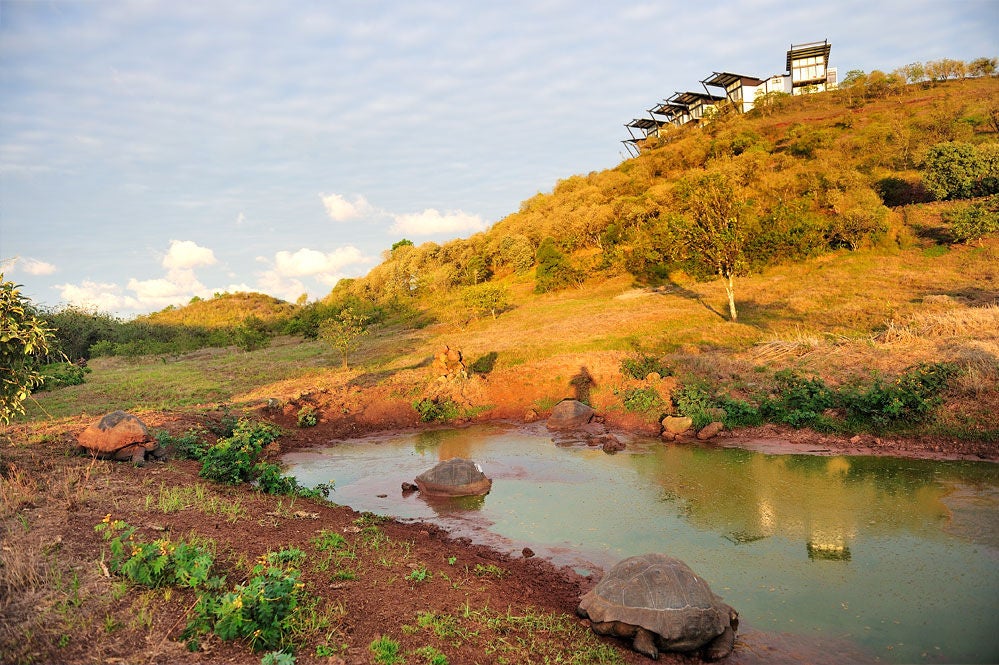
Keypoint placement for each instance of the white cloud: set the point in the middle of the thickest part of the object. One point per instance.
(431, 221)
(341, 210)
(101, 296)
(312, 262)
(32, 266)
(187, 254)
(240, 219)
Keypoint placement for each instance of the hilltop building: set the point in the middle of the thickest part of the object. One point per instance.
(808, 71)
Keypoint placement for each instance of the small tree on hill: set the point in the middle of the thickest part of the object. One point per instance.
(342, 331)
(487, 297)
(717, 229)
(24, 338)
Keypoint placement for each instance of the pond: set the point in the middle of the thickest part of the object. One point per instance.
(897, 558)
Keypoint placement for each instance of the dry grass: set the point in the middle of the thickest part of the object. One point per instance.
(17, 489)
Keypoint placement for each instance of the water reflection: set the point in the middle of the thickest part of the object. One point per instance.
(898, 557)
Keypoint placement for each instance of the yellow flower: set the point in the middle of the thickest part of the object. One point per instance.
(107, 519)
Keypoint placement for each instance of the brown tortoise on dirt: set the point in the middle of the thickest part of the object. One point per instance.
(120, 436)
(663, 605)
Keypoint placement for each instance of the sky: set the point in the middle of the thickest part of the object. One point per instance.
(152, 151)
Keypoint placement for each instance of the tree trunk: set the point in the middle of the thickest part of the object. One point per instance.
(730, 291)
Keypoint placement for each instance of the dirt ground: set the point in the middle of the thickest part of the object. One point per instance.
(58, 604)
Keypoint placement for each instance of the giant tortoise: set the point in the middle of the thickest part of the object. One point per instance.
(120, 436)
(454, 477)
(661, 604)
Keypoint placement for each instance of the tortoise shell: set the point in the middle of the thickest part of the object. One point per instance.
(663, 595)
(454, 477)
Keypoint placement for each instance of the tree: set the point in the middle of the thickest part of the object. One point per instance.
(912, 72)
(342, 331)
(487, 297)
(982, 66)
(554, 270)
(957, 170)
(24, 337)
(717, 228)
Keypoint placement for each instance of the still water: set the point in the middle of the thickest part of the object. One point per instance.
(897, 558)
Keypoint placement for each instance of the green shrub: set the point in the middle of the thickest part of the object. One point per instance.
(270, 480)
(155, 564)
(641, 365)
(231, 460)
(386, 651)
(189, 445)
(909, 399)
(307, 417)
(437, 410)
(644, 400)
(278, 658)
(799, 402)
(693, 401)
(262, 610)
(974, 222)
(57, 375)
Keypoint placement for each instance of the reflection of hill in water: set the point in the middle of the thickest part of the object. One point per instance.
(823, 501)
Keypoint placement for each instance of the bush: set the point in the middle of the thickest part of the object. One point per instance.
(911, 398)
(798, 402)
(231, 460)
(189, 445)
(24, 339)
(437, 410)
(641, 365)
(57, 375)
(644, 400)
(974, 222)
(155, 564)
(693, 401)
(307, 417)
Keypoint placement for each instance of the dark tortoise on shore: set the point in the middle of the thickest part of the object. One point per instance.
(661, 604)
(454, 477)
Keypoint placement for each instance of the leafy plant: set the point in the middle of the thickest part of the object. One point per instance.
(799, 401)
(437, 410)
(489, 570)
(157, 563)
(386, 651)
(277, 658)
(974, 222)
(189, 445)
(261, 611)
(693, 401)
(231, 460)
(910, 398)
(307, 416)
(641, 365)
(24, 338)
(58, 375)
(420, 574)
(431, 656)
(643, 400)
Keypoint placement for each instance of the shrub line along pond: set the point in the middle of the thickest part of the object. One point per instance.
(895, 559)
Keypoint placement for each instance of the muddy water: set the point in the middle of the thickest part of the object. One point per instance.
(892, 560)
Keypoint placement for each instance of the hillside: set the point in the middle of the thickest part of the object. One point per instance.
(225, 310)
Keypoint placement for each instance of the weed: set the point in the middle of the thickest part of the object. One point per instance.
(385, 651)
(307, 417)
(431, 656)
(490, 569)
(231, 460)
(111, 624)
(911, 398)
(329, 540)
(277, 658)
(158, 563)
(451, 560)
(63, 641)
(693, 401)
(420, 574)
(437, 410)
(644, 400)
(444, 626)
(189, 445)
(641, 365)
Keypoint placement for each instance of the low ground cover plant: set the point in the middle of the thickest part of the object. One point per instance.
(160, 562)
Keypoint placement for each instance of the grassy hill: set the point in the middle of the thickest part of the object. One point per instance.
(225, 310)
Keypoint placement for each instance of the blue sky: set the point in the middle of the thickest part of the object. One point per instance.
(153, 151)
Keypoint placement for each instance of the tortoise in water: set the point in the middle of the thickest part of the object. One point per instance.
(454, 477)
(661, 604)
(120, 436)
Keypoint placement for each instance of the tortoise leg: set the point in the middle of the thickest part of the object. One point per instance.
(721, 646)
(645, 643)
(138, 456)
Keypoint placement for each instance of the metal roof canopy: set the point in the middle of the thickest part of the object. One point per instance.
(644, 124)
(686, 99)
(725, 79)
(811, 49)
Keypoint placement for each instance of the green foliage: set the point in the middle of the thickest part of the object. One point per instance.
(262, 611)
(271, 480)
(251, 334)
(189, 445)
(386, 651)
(644, 400)
(437, 410)
(157, 563)
(488, 570)
(484, 364)
(486, 298)
(958, 170)
(231, 460)
(909, 399)
(307, 416)
(24, 339)
(343, 331)
(58, 375)
(77, 329)
(420, 574)
(277, 658)
(553, 272)
(641, 365)
(431, 656)
(974, 222)
(329, 540)
(693, 401)
(798, 401)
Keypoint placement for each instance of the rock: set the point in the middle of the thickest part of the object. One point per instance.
(120, 436)
(454, 477)
(710, 431)
(409, 487)
(676, 424)
(611, 444)
(527, 552)
(569, 414)
(653, 376)
(531, 416)
(449, 363)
